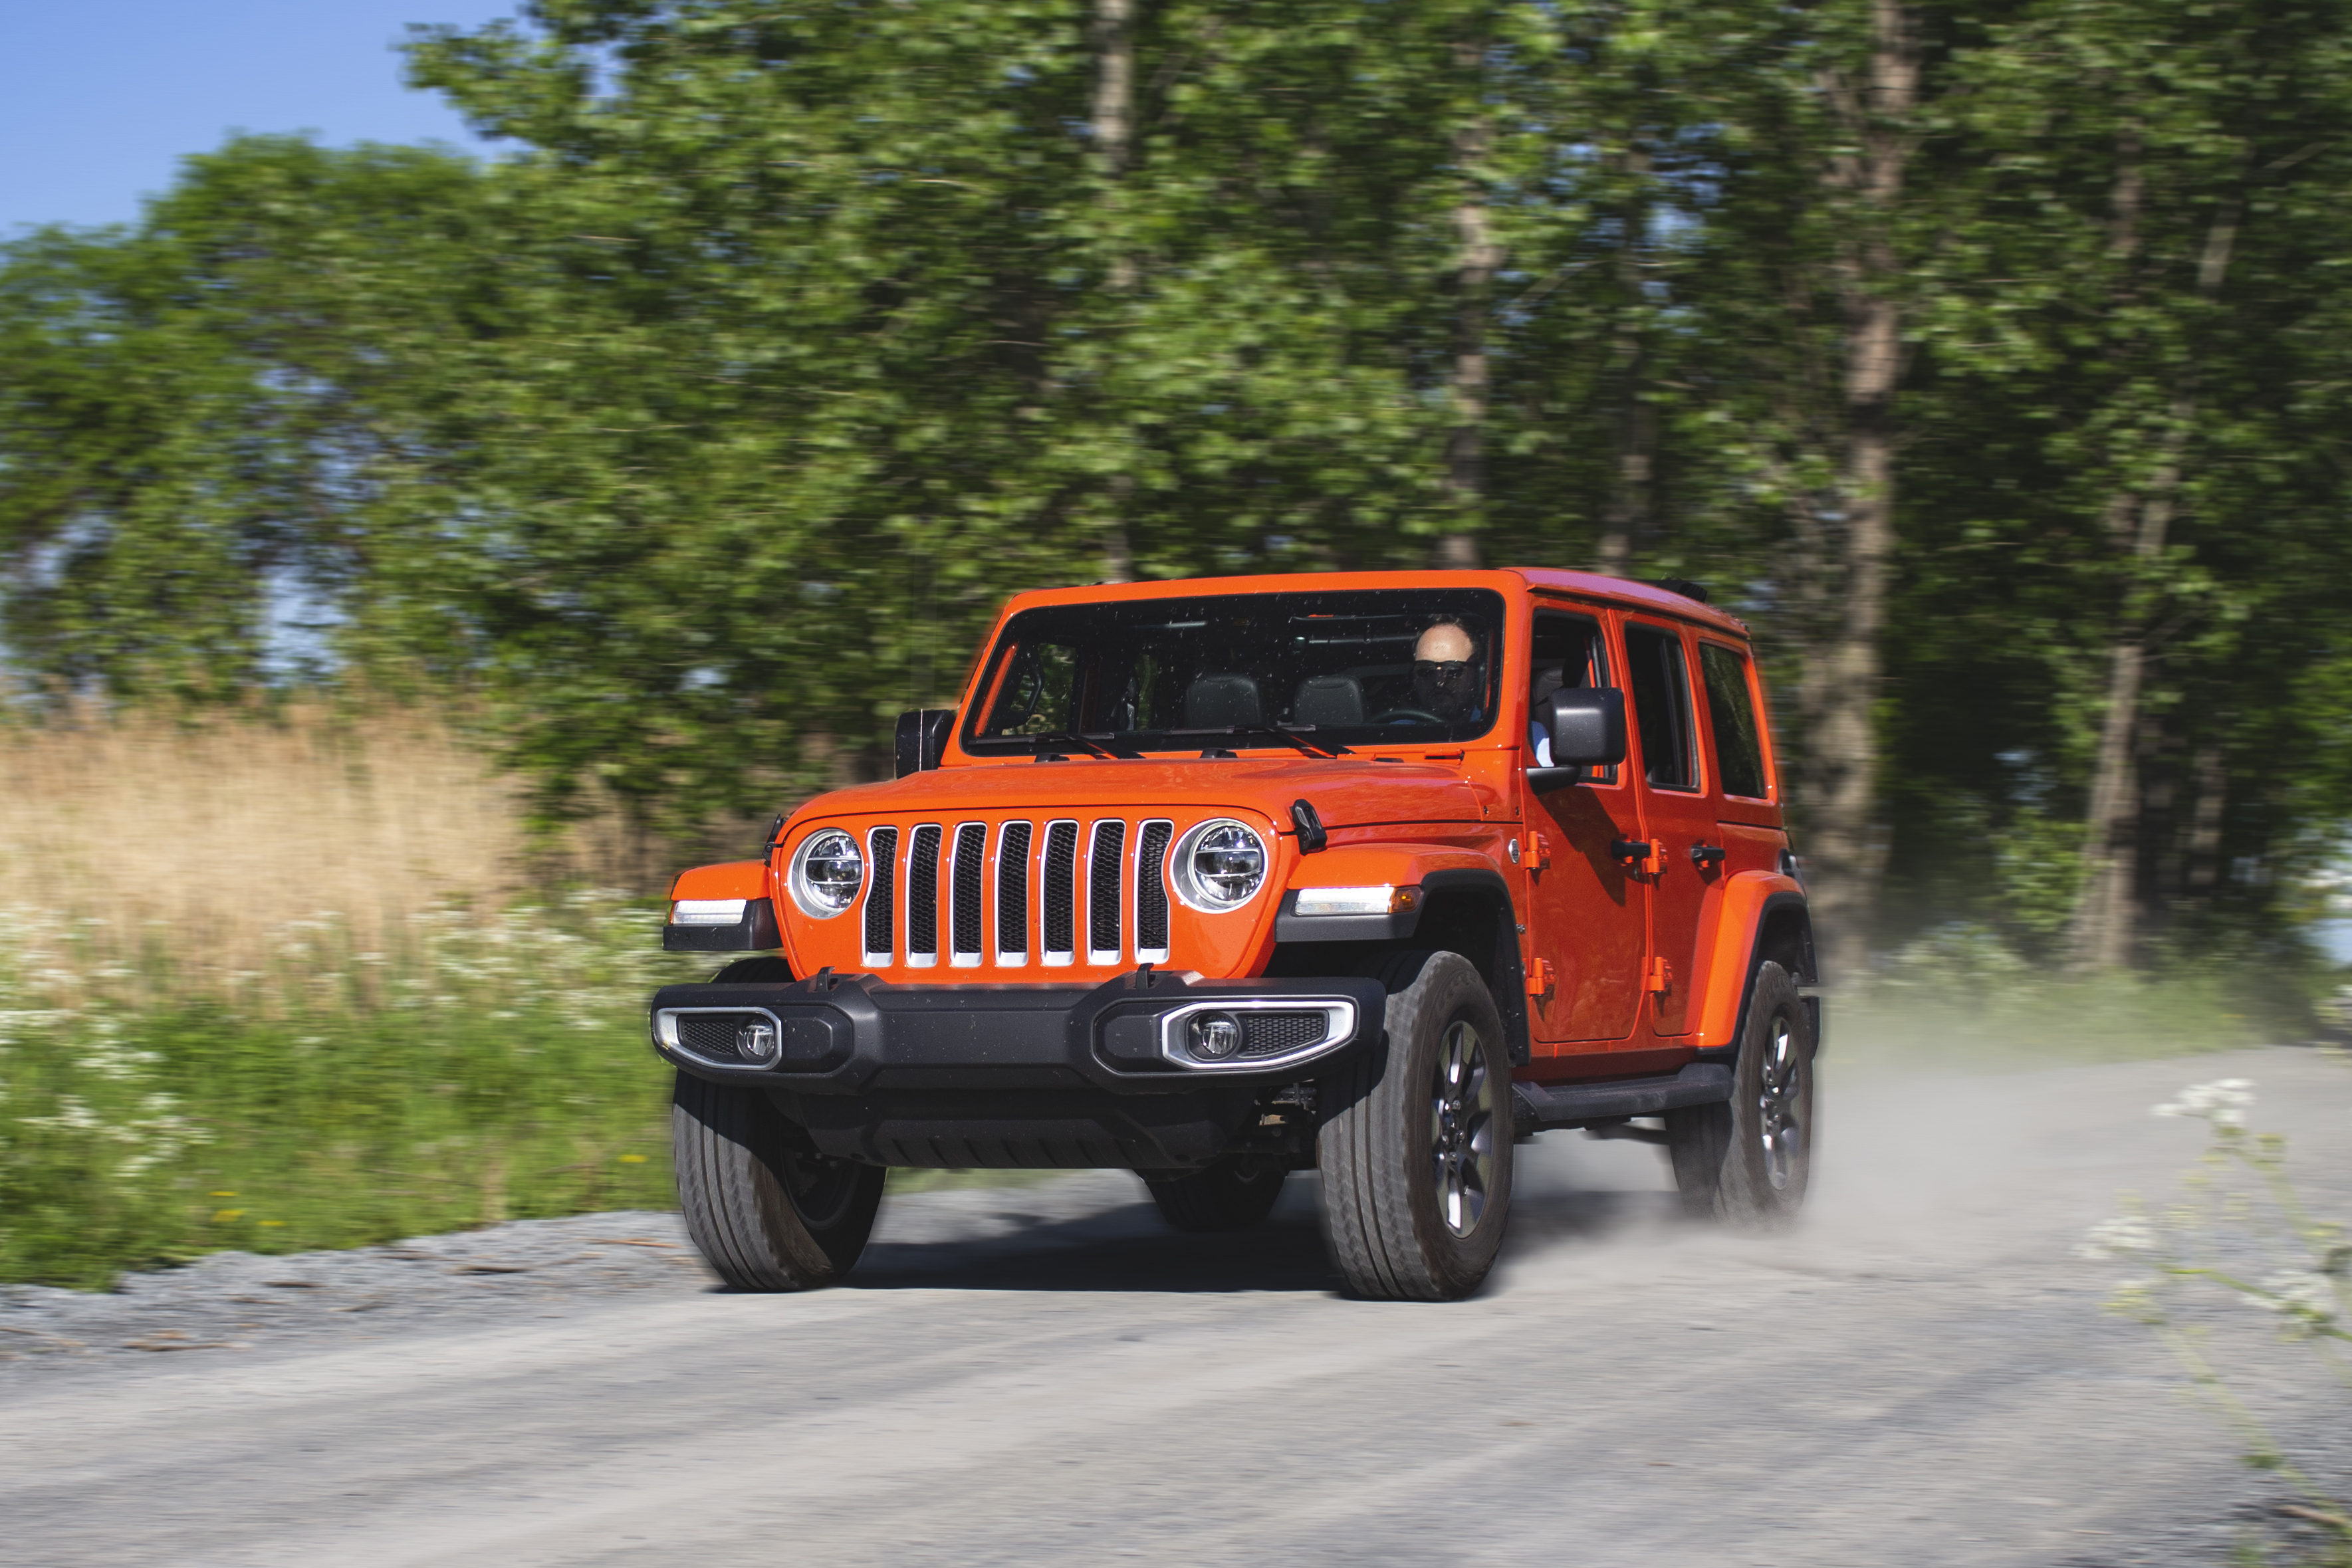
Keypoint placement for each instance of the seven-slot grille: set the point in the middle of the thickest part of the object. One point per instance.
(1046, 885)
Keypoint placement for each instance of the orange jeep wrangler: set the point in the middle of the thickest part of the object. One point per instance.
(1371, 873)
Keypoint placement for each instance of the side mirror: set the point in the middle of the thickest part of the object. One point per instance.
(1587, 725)
(922, 738)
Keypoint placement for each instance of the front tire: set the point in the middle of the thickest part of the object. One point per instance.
(1749, 1162)
(1235, 1193)
(766, 1209)
(1415, 1146)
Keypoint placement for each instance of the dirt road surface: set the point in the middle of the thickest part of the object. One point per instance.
(1921, 1374)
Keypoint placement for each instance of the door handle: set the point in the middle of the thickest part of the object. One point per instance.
(1650, 855)
(1705, 855)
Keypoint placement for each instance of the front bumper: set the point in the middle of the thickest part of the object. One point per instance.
(1018, 1075)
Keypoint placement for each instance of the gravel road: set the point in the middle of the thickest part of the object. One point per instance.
(1920, 1374)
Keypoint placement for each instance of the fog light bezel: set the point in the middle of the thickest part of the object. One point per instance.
(1341, 1016)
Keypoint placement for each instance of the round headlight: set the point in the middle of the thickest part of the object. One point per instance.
(827, 872)
(1220, 865)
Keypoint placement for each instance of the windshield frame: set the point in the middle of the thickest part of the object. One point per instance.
(1487, 608)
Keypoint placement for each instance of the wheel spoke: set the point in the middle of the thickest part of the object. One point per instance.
(1461, 1122)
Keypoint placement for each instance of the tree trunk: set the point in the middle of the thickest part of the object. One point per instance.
(2212, 776)
(2106, 926)
(1113, 115)
(1842, 674)
(1465, 454)
(1633, 442)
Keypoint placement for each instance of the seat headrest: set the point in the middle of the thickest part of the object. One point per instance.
(1334, 700)
(1211, 702)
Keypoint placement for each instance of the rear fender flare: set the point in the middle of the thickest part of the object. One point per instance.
(1761, 913)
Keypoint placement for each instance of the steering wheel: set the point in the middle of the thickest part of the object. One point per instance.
(1405, 713)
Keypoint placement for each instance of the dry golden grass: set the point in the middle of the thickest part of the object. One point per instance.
(200, 840)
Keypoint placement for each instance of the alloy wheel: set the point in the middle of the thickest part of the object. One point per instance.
(1461, 1129)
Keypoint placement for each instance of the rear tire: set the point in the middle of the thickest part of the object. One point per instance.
(1235, 1193)
(1749, 1162)
(766, 1209)
(1415, 1146)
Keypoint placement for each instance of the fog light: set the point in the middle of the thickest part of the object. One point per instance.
(1215, 1036)
(757, 1042)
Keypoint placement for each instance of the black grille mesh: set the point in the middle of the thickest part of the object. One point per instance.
(712, 1035)
(1012, 889)
(1061, 886)
(1103, 878)
(882, 887)
(971, 856)
(923, 893)
(1271, 1034)
(1151, 888)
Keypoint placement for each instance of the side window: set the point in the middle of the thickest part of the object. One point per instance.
(1662, 707)
(1731, 715)
(1569, 652)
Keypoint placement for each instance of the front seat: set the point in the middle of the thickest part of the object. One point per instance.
(1219, 702)
(1336, 701)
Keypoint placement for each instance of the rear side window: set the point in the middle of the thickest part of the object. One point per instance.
(1662, 707)
(1731, 714)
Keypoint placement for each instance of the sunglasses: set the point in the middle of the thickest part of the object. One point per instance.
(1443, 669)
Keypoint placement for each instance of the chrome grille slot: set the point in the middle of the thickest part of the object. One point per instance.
(1151, 892)
(1013, 893)
(1061, 892)
(968, 909)
(923, 897)
(1106, 859)
(881, 895)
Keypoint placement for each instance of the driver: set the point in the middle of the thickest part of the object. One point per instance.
(1444, 681)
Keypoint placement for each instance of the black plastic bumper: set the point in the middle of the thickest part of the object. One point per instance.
(1014, 1075)
(844, 1034)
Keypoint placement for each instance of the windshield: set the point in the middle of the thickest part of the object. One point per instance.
(1335, 670)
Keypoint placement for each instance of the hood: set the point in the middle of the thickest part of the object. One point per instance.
(1346, 792)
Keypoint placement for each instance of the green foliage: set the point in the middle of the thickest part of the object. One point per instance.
(495, 1068)
(705, 428)
(1959, 994)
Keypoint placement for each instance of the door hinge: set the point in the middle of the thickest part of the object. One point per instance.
(1542, 855)
(1539, 978)
(1662, 976)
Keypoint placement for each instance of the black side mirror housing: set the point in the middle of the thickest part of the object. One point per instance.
(1587, 725)
(922, 738)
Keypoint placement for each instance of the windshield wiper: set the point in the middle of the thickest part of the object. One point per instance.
(1293, 737)
(1072, 737)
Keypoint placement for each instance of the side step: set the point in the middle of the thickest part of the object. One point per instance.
(1535, 1106)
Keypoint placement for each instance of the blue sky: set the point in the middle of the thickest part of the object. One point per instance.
(99, 100)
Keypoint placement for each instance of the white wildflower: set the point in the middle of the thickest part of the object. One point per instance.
(2221, 1102)
(2300, 1294)
(2126, 1236)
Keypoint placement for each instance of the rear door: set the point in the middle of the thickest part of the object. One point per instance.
(1590, 914)
(1677, 812)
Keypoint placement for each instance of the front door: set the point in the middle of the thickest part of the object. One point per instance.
(1677, 816)
(1589, 912)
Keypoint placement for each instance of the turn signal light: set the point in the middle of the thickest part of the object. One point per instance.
(1384, 899)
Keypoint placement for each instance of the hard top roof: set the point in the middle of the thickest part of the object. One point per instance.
(1582, 584)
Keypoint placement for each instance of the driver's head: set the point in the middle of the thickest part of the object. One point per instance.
(1442, 681)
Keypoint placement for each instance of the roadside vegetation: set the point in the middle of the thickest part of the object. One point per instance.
(2241, 1231)
(285, 982)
